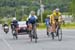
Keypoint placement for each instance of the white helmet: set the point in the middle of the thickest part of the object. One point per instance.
(32, 12)
(14, 18)
(57, 9)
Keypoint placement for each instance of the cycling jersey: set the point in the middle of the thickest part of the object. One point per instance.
(55, 16)
(47, 21)
(32, 19)
(31, 16)
(15, 23)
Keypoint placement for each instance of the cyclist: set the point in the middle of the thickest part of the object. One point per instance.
(14, 22)
(47, 21)
(14, 25)
(6, 27)
(55, 17)
(5, 24)
(32, 19)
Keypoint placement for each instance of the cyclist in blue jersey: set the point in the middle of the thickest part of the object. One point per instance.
(47, 22)
(32, 20)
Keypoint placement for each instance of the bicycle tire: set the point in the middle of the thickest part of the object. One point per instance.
(35, 34)
(59, 34)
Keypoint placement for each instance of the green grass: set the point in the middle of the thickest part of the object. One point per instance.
(66, 26)
(69, 26)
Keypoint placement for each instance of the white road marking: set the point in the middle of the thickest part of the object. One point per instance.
(8, 45)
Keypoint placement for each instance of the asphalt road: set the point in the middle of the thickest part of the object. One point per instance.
(44, 43)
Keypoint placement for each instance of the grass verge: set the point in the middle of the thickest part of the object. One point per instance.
(66, 26)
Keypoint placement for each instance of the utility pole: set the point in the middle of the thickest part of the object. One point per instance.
(42, 10)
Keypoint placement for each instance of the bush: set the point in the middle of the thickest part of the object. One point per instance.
(46, 12)
(24, 18)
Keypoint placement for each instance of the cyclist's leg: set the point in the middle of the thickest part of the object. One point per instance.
(34, 31)
(34, 26)
(29, 29)
(57, 27)
(52, 30)
(48, 30)
(29, 26)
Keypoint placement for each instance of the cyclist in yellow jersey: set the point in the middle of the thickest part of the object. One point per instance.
(55, 17)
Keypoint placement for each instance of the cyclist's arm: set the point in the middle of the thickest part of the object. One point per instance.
(34, 16)
(60, 17)
(50, 19)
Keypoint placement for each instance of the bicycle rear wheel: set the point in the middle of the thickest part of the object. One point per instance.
(35, 33)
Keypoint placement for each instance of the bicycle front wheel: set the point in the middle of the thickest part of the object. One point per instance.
(59, 34)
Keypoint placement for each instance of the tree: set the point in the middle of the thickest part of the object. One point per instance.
(73, 7)
(8, 6)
